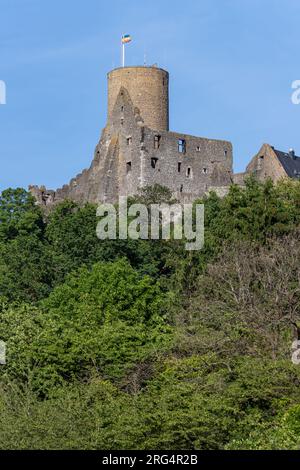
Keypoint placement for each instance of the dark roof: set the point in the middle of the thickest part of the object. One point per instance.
(290, 163)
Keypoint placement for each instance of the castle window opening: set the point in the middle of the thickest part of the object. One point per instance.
(157, 139)
(189, 173)
(122, 108)
(179, 167)
(198, 149)
(181, 146)
(128, 167)
(122, 121)
(225, 153)
(129, 140)
(204, 171)
(181, 188)
(154, 162)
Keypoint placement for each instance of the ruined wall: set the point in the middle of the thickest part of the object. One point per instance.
(185, 164)
(189, 166)
(239, 178)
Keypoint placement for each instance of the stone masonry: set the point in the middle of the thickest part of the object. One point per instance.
(136, 148)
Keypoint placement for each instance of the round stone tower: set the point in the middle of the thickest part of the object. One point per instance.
(148, 88)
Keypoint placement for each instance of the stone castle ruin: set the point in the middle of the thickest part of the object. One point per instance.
(136, 148)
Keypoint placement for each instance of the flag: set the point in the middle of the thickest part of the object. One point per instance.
(126, 38)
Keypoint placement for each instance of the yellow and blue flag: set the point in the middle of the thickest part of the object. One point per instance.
(126, 38)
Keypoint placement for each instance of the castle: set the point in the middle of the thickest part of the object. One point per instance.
(271, 163)
(137, 149)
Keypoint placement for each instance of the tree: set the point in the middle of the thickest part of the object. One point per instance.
(19, 215)
(108, 318)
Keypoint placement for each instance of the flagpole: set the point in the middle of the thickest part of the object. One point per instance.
(125, 39)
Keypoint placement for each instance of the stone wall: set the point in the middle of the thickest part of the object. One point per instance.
(203, 163)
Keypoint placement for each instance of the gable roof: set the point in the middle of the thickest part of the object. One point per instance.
(290, 163)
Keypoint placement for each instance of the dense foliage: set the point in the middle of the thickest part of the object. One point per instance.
(141, 344)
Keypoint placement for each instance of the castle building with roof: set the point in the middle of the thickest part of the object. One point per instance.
(271, 163)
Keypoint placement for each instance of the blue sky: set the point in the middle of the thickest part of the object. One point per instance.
(231, 64)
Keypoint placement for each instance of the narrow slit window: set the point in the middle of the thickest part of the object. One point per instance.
(198, 148)
(189, 172)
(204, 171)
(129, 140)
(128, 167)
(154, 162)
(181, 188)
(157, 139)
(181, 146)
(179, 167)
(225, 152)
